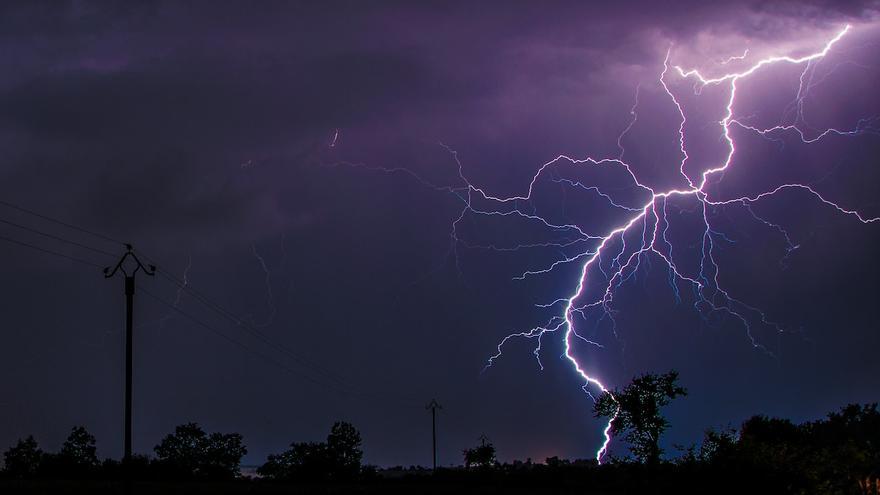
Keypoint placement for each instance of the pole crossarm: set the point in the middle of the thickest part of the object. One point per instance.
(148, 269)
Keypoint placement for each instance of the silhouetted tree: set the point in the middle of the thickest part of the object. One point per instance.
(77, 458)
(773, 453)
(79, 449)
(482, 456)
(223, 454)
(635, 410)
(718, 445)
(183, 450)
(23, 459)
(189, 451)
(836, 455)
(841, 454)
(337, 459)
(344, 450)
(302, 461)
(138, 466)
(849, 445)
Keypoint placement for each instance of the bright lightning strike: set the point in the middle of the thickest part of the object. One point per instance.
(609, 258)
(652, 216)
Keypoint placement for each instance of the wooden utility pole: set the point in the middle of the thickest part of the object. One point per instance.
(134, 266)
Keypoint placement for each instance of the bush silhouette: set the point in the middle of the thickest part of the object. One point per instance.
(337, 459)
(482, 456)
(23, 459)
(79, 449)
(190, 452)
(77, 458)
(838, 454)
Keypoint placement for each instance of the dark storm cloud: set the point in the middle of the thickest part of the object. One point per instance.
(203, 127)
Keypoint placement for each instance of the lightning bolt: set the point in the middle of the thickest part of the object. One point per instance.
(735, 57)
(185, 279)
(267, 281)
(178, 294)
(610, 258)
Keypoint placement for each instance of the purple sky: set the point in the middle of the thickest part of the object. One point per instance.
(201, 133)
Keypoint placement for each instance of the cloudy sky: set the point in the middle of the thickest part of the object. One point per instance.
(302, 165)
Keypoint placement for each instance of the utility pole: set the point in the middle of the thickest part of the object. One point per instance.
(134, 266)
(483, 440)
(433, 406)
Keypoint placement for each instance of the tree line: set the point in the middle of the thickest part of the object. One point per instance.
(838, 454)
(189, 453)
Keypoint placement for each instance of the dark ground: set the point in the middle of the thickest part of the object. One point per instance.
(665, 479)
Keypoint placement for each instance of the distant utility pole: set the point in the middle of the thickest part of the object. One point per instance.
(433, 406)
(484, 439)
(134, 266)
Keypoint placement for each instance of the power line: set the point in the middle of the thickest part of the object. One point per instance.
(48, 251)
(60, 222)
(240, 344)
(240, 322)
(301, 360)
(52, 236)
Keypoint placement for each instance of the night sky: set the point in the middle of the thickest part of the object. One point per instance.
(295, 164)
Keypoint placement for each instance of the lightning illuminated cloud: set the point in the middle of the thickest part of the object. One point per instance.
(607, 259)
